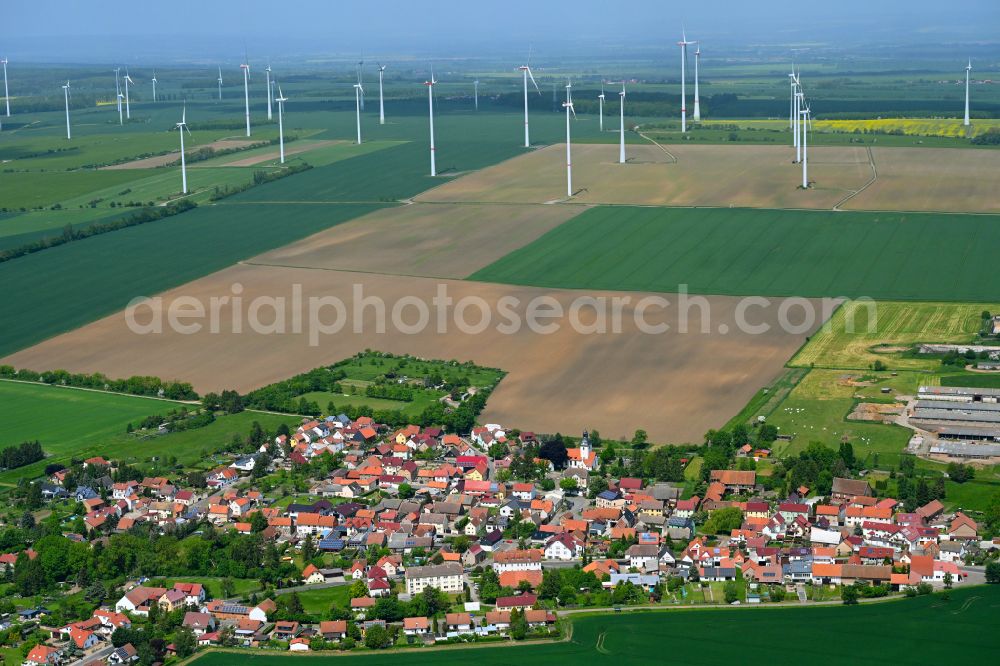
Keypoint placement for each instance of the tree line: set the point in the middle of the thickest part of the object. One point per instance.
(135, 385)
(22, 454)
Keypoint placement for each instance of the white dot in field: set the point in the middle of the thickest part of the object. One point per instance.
(723, 329)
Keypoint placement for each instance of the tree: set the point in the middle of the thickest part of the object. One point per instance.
(308, 548)
(723, 521)
(993, 572)
(731, 590)
(849, 595)
(258, 522)
(377, 638)
(948, 580)
(568, 484)
(518, 625)
(554, 450)
(406, 491)
(228, 587)
(358, 589)
(185, 642)
(639, 439)
(434, 601)
(777, 593)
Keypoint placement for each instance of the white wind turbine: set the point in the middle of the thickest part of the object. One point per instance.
(181, 128)
(128, 81)
(220, 83)
(430, 107)
(66, 93)
(245, 66)
(267, 73)
(791, 99)
(154, 85)
(806, 123)
(697, 103)
(6, 92)
(799, 99)
(281, 99)
(621, 128)
(358, 92)
(475, 94)
(381, 105)
(600, 104)
(684, 44)
(121, 117)
(118, 90)
(968, 71)
(526, 71)
(568, 105)
(361, 69)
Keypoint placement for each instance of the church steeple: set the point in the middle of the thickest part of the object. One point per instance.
(585, 446)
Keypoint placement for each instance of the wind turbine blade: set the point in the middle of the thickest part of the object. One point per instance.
(573, 111)
(532, 77)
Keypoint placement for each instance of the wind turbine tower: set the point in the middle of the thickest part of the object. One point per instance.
(220, 84)
(968, 72)
(475, 94)
(281, 99)
(154, 85)
(128, 81)
(430, 108)
(267, 74)
(684, 44)
(381, 104)
(526, 72)
(697, 104)
(358, 92)
(621, 126)
(181, 127)
(66, 93)
(600, 105)
(245, 66)
(806, 122)
(6, 92)
(568, 105)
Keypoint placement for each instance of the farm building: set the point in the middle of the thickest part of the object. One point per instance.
(958, 394)
(966, 449)
(969, 434)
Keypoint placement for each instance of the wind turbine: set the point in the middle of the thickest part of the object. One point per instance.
(245, 66)
(128, 80)
(267, 73)
(806, 122)
(220, 83)
(154, 85)
(600, 103)
(381, 105)
(475, 94)
(430, 107)
(181, 127)
(697, 104)
(568, 105)
(621, 129)
(791, 99)
(526, 71)
(121, 118)
(684, 44)
(361, 68)
(118, 90)
(281, 99)
(358, 92)
(66, 93)
(799, 130)
(968, 71)
(6, 93)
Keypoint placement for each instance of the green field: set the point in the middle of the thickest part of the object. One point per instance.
(318, 602)
(972, 379)
(109, 270)
(760, 252)
(29, 190)
(816, 411)
(895, 324)
(73, 423)
(869, 634)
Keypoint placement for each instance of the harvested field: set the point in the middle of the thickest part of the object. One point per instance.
(935, 179)
(273, 153)
(875, 411)
(432, 240)
(853, 341)
(674, 385)
(706, 175)
(170, 158)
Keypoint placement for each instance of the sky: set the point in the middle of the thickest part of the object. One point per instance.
(90, 30)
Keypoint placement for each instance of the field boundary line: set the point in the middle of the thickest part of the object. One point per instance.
(657, 144)
(93, 390)
(871, 162)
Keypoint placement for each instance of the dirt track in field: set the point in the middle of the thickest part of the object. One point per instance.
(933, 179)
(433, 240)
(674, 385)
(704, 175)
(272, 155)
(169, 158)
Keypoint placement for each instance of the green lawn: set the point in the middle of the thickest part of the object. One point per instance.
(421, 400)
(972, 379)
(318, 602)
(964, 625)
(759, 252)
(190, 447)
